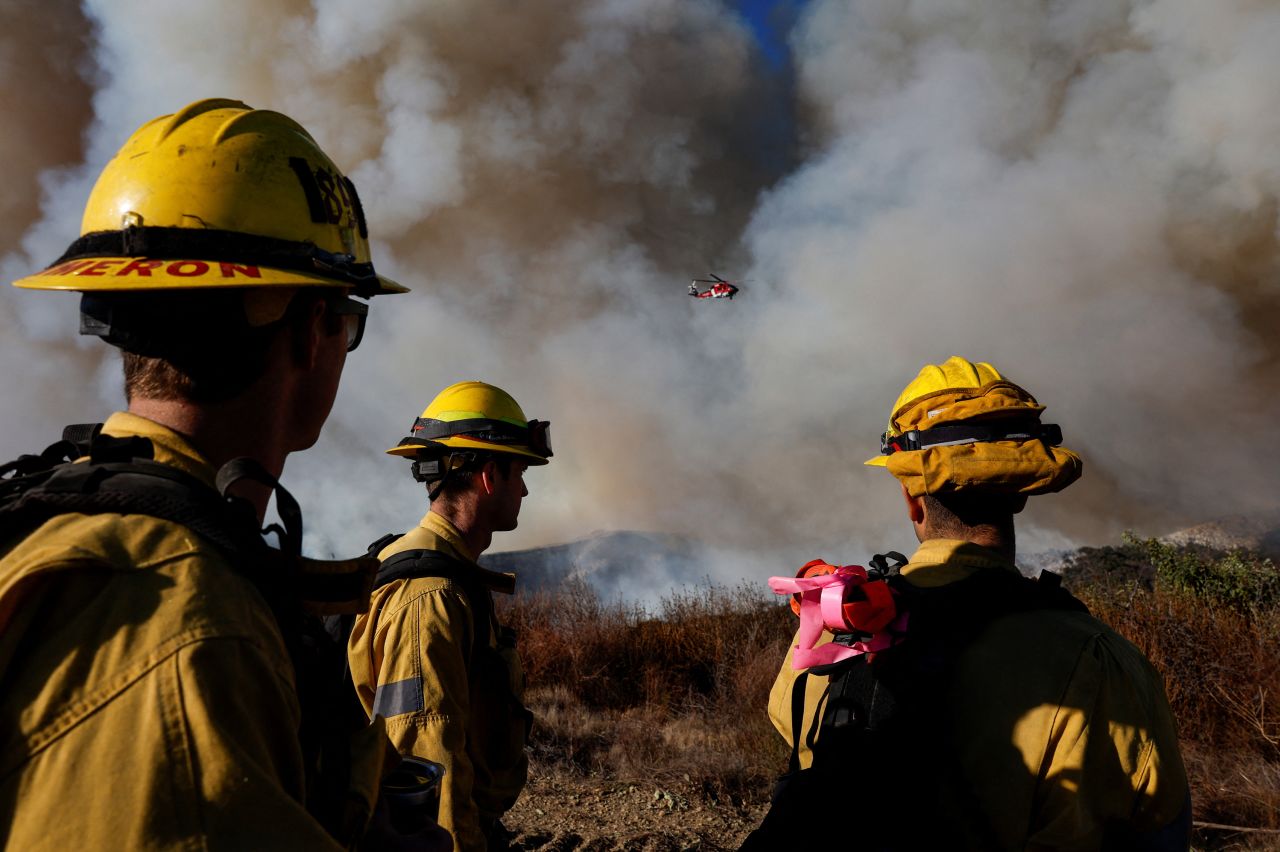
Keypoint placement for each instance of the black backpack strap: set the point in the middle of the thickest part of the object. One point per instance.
(798, 687)
(339, 626)
(380, 545)
(413, 564)
(82, 434)
(967, 606)
(17, 474)
(138, 487)
(120, 476)
(887, 563)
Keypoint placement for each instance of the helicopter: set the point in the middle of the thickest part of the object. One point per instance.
(719, 289)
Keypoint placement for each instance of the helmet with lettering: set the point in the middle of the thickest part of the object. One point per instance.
(219, 195)
(962, 426)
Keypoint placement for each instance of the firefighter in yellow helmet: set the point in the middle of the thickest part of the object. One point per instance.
(430, 656)
(163, 682)
(964, 706)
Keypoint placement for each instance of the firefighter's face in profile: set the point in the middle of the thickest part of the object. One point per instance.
(509, 492)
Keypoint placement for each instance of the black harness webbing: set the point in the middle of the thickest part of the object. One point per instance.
(487, 656)
(871, 717)
(130, 483)
(120, 477)
(971, 433)
(419, 563)
(414, 564)
(797, 720)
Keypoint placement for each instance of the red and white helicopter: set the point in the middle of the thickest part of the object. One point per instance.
(719, 289)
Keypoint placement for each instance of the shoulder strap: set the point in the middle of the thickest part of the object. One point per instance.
(421, 562)
(137, 486)
(887, 563)
(967, 606)
(798, 688)
(870, 696)
(120, 476)
(339, 626)
(376, 547)
(74, 444)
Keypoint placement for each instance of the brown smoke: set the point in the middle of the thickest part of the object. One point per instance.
(43, 52)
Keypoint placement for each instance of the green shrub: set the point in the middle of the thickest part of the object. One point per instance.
(1239, 579)
(1210, 623)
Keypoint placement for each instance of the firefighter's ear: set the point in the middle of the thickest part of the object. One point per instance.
(309, 335)
(915, 507)
(489, 476)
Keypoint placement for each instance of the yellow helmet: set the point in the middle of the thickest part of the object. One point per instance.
(961, 426)
(476, 416)
(219, 195)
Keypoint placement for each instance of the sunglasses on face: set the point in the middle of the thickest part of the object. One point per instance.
(354, 314)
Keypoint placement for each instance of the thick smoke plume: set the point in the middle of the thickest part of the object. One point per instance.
(1085, 194)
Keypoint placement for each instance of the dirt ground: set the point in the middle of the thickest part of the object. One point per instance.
(565, 813)
(558, 812)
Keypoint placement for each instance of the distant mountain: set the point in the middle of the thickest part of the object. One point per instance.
(1057, 561)
(626, 564)
(642, 567)
(1235, 532)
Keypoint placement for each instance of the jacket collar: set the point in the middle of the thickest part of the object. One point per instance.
(942, 561)
(170, 448)
(326, 587)
(448, 540)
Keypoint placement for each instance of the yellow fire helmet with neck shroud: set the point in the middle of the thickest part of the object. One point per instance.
(960, 426)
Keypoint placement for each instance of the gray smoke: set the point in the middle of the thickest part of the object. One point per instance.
(1085, 194)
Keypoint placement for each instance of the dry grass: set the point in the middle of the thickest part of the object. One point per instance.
(683, 695)
(679, 695)
(1219, 651)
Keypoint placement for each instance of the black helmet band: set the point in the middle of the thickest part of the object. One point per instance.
(970, 433)
(536, 435)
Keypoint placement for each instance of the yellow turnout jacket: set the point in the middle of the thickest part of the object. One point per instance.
(1062, 727)
(409, 660)
(146, 696)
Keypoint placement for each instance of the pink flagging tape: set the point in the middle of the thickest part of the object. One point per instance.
(821, 607)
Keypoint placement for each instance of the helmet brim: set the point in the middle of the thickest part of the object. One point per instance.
(125, 274)
(878, 461)
(463, 442)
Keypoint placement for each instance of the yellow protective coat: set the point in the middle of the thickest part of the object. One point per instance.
(1062, 726)
(408, 661)
(146, 697)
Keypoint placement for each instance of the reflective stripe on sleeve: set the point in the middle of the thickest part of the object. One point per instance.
(393, 699)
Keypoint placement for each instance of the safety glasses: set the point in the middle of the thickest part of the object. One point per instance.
(540, 437)
(536, 435)
(354, 314)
